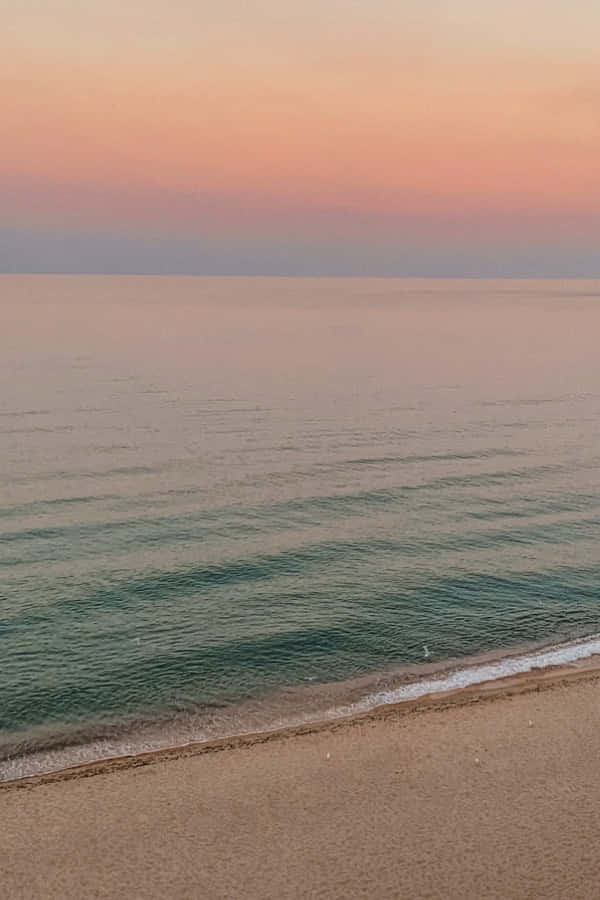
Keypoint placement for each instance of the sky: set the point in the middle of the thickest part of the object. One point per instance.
(300, 137)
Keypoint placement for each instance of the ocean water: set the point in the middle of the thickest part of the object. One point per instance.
(228, 504)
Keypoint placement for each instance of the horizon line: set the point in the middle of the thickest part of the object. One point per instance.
(291, 275)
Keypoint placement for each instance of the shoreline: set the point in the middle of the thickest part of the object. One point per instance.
(534, 680)
(491, 792)
(300, 707)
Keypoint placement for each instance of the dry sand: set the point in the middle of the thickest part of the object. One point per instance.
(459, 798)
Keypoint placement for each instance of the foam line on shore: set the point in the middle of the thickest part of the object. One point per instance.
(560, 655)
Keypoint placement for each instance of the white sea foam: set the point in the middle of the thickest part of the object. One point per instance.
(461, 678)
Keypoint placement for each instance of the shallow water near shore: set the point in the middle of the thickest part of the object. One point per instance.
(237, 503)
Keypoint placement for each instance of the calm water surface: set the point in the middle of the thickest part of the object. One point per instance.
(219, 495)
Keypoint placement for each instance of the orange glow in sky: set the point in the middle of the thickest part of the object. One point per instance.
(221, 119)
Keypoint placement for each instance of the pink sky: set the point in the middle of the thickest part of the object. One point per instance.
(382, 125)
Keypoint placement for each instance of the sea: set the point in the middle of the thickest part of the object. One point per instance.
(228, 505)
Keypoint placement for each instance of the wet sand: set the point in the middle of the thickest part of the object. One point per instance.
(449, 797)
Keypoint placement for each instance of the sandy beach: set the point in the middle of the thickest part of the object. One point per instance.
(492, 792)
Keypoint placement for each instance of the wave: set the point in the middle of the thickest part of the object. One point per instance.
(49, 752)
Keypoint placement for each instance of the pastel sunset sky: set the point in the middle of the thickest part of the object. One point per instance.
(406, 137)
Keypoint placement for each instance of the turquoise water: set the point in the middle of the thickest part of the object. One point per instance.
(226, 502)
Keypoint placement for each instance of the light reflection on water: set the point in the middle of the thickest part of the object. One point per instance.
(213, 489)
